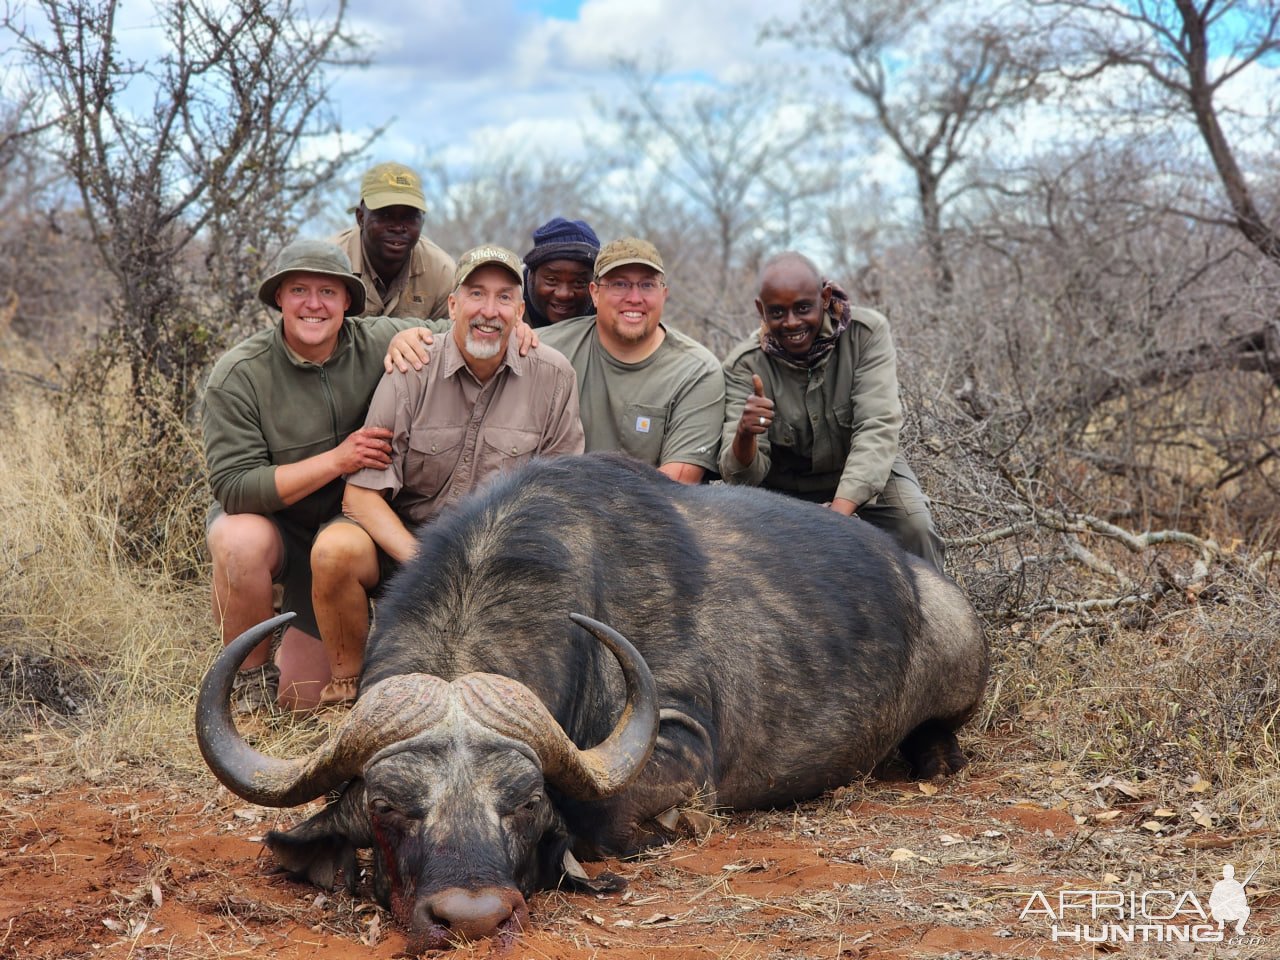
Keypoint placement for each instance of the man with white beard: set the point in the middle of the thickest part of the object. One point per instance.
(476, 409)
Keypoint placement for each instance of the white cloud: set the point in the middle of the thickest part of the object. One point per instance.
(711, 38)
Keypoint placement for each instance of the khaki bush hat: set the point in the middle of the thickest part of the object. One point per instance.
(628, 250)
(390, 185)
(314, 256)
(477, 257)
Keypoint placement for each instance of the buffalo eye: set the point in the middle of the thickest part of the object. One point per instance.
(527, 807)
(381, 809)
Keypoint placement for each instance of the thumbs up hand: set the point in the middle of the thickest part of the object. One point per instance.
(757, 413)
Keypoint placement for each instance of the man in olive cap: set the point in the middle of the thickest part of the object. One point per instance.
(645, 389)
(477, 409)
(283, 424)
(404, 274)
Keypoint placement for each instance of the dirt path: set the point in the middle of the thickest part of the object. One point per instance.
(878, 870)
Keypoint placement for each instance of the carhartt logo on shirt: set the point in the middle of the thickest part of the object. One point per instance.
(642, 424)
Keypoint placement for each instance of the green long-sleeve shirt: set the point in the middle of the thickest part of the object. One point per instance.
(264, 406)
(835, 427)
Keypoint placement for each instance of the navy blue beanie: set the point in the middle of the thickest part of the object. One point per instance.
(561, 239)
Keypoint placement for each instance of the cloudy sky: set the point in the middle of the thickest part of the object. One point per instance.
(457, 77)
(455, 81)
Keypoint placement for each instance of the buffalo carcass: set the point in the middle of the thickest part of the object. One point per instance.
(780, 649)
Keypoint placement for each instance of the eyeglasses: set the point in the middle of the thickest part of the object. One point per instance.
(621, 288)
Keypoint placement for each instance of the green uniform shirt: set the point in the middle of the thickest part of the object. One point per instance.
(835, 426)
(665, 409)
(265, 406)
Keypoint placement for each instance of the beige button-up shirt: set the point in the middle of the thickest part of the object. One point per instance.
(450, 432)
(421, 290)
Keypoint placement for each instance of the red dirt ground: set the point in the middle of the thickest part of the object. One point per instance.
(878, 870)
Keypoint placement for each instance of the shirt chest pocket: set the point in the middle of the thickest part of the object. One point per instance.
(431, 459)
(506, 448)
(782, 434)
(642, 430)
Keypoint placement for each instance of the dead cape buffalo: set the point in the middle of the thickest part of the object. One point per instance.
(776, 650)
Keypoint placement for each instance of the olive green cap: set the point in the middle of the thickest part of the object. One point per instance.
(390, 185)
(314, 256)
(628, 250)
(477, 257)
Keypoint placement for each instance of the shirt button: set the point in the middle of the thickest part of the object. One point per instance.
(513, 451)
(433, 448)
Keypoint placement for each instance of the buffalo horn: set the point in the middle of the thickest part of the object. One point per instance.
(512, 709)
(393, 710)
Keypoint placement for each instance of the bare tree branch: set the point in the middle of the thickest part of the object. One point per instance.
(213, 168)
(932, 105)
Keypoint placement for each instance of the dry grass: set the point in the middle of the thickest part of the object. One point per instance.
(126, 630)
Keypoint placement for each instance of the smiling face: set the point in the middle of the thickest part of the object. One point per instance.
(791, 303)
(629, 302)
(560, 289)
(389, 235)
(312, 306)
(484, 309)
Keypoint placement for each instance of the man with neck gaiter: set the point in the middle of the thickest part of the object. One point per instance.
(812, 408)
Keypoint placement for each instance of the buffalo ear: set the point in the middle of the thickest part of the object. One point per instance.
(573, 877)
(316, 849)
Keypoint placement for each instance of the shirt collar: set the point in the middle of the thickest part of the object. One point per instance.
(339, 348)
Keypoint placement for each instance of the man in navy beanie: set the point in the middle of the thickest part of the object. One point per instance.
(558, 272)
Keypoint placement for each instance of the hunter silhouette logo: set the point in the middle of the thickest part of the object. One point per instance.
(1146, 916)
(1227, 902)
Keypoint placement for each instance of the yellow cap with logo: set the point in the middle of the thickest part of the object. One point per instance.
(390, 185)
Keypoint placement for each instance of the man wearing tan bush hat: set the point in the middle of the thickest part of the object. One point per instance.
(477, 409)
(283, 423)
(645, 389)
(404, 274)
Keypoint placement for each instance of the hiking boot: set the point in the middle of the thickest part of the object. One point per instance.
(255, 690)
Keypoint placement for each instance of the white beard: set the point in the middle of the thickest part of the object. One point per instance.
(482, 349)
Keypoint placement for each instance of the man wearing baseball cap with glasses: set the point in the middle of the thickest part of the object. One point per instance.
(645, 389)
(477, 409)
(404, 274)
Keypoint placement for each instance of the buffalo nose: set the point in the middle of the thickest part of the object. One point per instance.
(464, 914)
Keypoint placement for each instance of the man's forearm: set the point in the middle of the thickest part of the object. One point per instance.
(371, 510)
(683, 472)
(297, 480)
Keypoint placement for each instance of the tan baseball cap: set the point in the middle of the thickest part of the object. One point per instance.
(392, 184)
(477, 257)
(628, 250)
(313, 256)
